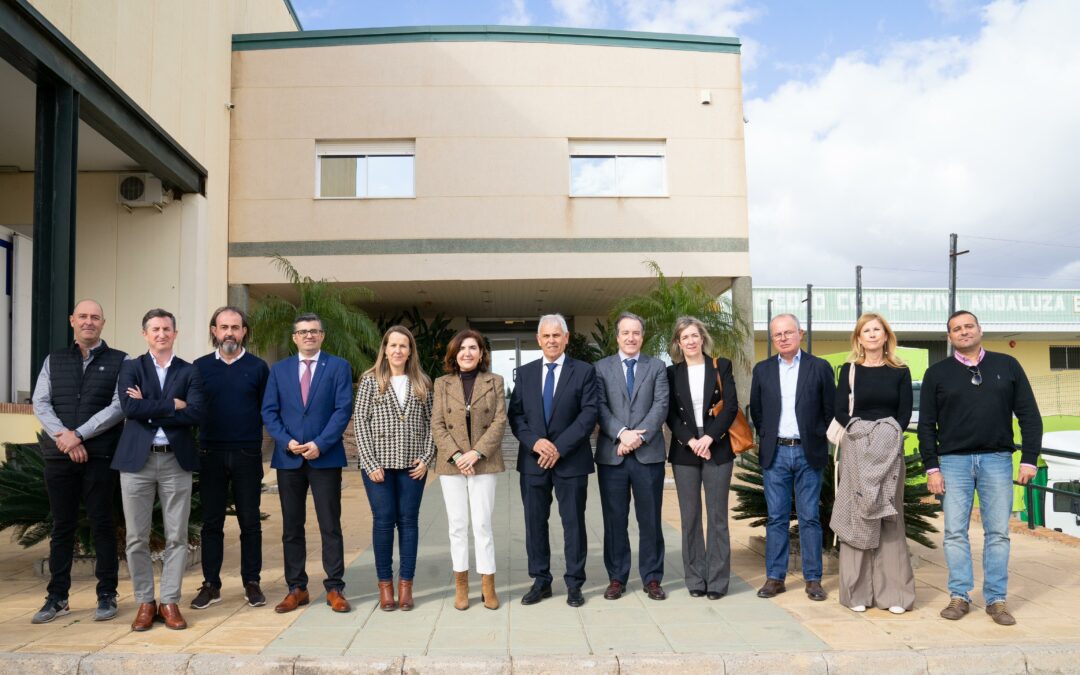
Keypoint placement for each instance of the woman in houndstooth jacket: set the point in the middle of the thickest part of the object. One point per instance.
(393, 433)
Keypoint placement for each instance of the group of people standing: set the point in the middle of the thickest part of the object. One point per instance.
(405, 424)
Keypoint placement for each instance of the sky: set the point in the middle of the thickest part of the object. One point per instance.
(875, 127)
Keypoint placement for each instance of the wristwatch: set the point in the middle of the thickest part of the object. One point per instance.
(479, 454)
(78, 435)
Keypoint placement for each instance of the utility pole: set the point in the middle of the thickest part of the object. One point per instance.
(953, 255)
(768, 328)
(809, 318)
(858, 291)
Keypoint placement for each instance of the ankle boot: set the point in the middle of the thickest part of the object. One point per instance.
(404, 592)
(461, 590)
(487, 591)
(386, 596)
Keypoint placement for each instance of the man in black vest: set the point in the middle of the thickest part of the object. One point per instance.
(76, 403)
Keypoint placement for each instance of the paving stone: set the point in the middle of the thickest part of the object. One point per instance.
(348, 665)
(457, 664)
(981, 660)
(261, 664)
(21, 662)
(685, 664)
(775, 662)
(134, 664)
(1052, 658)
(557, 665)
(888, 662)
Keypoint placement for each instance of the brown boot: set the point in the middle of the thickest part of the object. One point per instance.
(386, 596)
(404, 594)
(487, 591)
(461, 590)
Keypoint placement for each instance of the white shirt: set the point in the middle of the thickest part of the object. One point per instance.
(217, 355)
(789, 382)
(400, 383)
(558, 372)
(314, 364)
(695, 377)
(637, 362)
(160, 438)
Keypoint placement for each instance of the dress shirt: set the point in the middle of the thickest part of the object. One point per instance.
(314, 363)
(160, 438)
(637, 362)
(558, 373)
(789, 382)
(968, 362)
(217, 355)
(104, 419)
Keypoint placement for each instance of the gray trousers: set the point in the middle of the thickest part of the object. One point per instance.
(161, 476)
(706, 557)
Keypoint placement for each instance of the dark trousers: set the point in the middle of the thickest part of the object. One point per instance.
(94, 484)
(646, 482)
(325, 487)
(240, 471)
(536, 497)
(395, 505)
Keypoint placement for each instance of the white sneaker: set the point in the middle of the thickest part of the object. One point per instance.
(896, 609)
(858, 608)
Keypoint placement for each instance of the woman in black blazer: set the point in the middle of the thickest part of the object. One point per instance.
(700, 454)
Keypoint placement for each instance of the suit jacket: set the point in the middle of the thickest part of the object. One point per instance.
(487, 412)
(389, 436)
(322, 420)
(572, 418)
(156, 409)
(683, 422)
(815, 397)
(647, 409)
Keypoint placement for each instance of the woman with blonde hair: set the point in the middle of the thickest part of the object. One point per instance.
(700, 454)
(875, 571)
(467, 425)
(392, 420)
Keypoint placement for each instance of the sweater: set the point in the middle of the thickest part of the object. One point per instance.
(234, 394)
(956, 416)
(880, 392)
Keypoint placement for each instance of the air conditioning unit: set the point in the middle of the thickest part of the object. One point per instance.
(135, 190)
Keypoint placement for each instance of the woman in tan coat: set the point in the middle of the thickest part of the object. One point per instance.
(467, 424)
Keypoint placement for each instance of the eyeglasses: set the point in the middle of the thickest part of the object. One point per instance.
(311, 331)
(976, 376)
(785, 335)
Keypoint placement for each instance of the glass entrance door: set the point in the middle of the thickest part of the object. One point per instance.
(507, 353)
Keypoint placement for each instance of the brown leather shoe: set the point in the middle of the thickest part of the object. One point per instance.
(295, 598)
(814, 591)
(144, 618)
(655, 591)
(337, 601)
(614, 590)
(170, 614)
(772, 588)
(386, 596)
(404, 594)
(999, 612)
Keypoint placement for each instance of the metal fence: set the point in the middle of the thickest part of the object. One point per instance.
(1057, 393)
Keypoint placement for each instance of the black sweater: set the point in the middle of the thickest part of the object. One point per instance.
(959, 417)
(879, 393)
(234, 394)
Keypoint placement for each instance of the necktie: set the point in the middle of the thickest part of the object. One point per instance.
(549, 391)
(630, 376)
(305, 380)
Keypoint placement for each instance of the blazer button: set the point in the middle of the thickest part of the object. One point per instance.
(449, 410)
(449, 426)
(402, 418)
(681, 410)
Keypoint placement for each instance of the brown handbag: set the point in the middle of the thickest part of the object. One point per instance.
(742, 437)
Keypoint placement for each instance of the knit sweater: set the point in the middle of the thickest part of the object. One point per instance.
(234, 394)
(956, 416)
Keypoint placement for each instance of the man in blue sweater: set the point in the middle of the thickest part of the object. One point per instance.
(230, 442)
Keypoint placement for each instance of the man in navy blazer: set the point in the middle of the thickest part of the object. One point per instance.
(552, 413)
(791, 404)
(162, 398)
(306, 408)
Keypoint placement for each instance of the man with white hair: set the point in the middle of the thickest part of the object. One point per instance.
(552, 413)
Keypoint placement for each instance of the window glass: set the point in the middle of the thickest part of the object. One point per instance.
(640, 176)
(592, 176)
(338, 177)
(389, 176)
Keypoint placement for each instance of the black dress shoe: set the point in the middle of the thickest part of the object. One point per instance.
(815, 591)
(536, 594)
(574, 598)
(695, 593)
(655, 591)
(713, 595)
(771, 589)
(614, 590)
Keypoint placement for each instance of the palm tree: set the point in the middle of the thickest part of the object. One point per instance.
(668, 300)
(350, 332)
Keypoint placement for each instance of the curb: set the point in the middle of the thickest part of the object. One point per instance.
(983, 660)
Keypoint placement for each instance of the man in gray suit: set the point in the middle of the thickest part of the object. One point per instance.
(630, 456)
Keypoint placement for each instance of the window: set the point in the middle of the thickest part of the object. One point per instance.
(365, 169)
(1065, 358)
(617, 169)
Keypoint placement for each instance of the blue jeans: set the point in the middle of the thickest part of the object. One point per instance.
(989, 473)
(791, 470)
(395, 504)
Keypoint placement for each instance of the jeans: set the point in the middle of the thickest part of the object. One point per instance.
(395, 504)
(791, 470)
(989, 473)
(242, 471)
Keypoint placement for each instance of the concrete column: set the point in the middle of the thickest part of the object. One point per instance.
(193, 311)
(743, 302)
(240, 296)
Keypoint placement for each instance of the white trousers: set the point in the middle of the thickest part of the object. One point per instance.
(476, 495)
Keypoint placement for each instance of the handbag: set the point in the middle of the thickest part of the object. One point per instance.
(835, 432)
(742, 438)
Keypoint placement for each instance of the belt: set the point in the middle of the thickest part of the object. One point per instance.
(790, 442)
(160, 449)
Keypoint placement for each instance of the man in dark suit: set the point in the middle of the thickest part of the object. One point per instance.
(791, 404)
(306, 408)
(630, 453)
(162, 398)
(552, 413)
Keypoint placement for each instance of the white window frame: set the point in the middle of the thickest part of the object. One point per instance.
(614, 149)
(358, 149)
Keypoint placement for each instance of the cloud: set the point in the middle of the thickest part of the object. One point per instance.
(696, 17)
(878, 159)
(314, 12)
(515, 13)
(581, 13)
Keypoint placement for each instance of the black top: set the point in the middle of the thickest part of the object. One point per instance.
(958, 416)
(880, 392)
(468, 380)
(234, 394)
